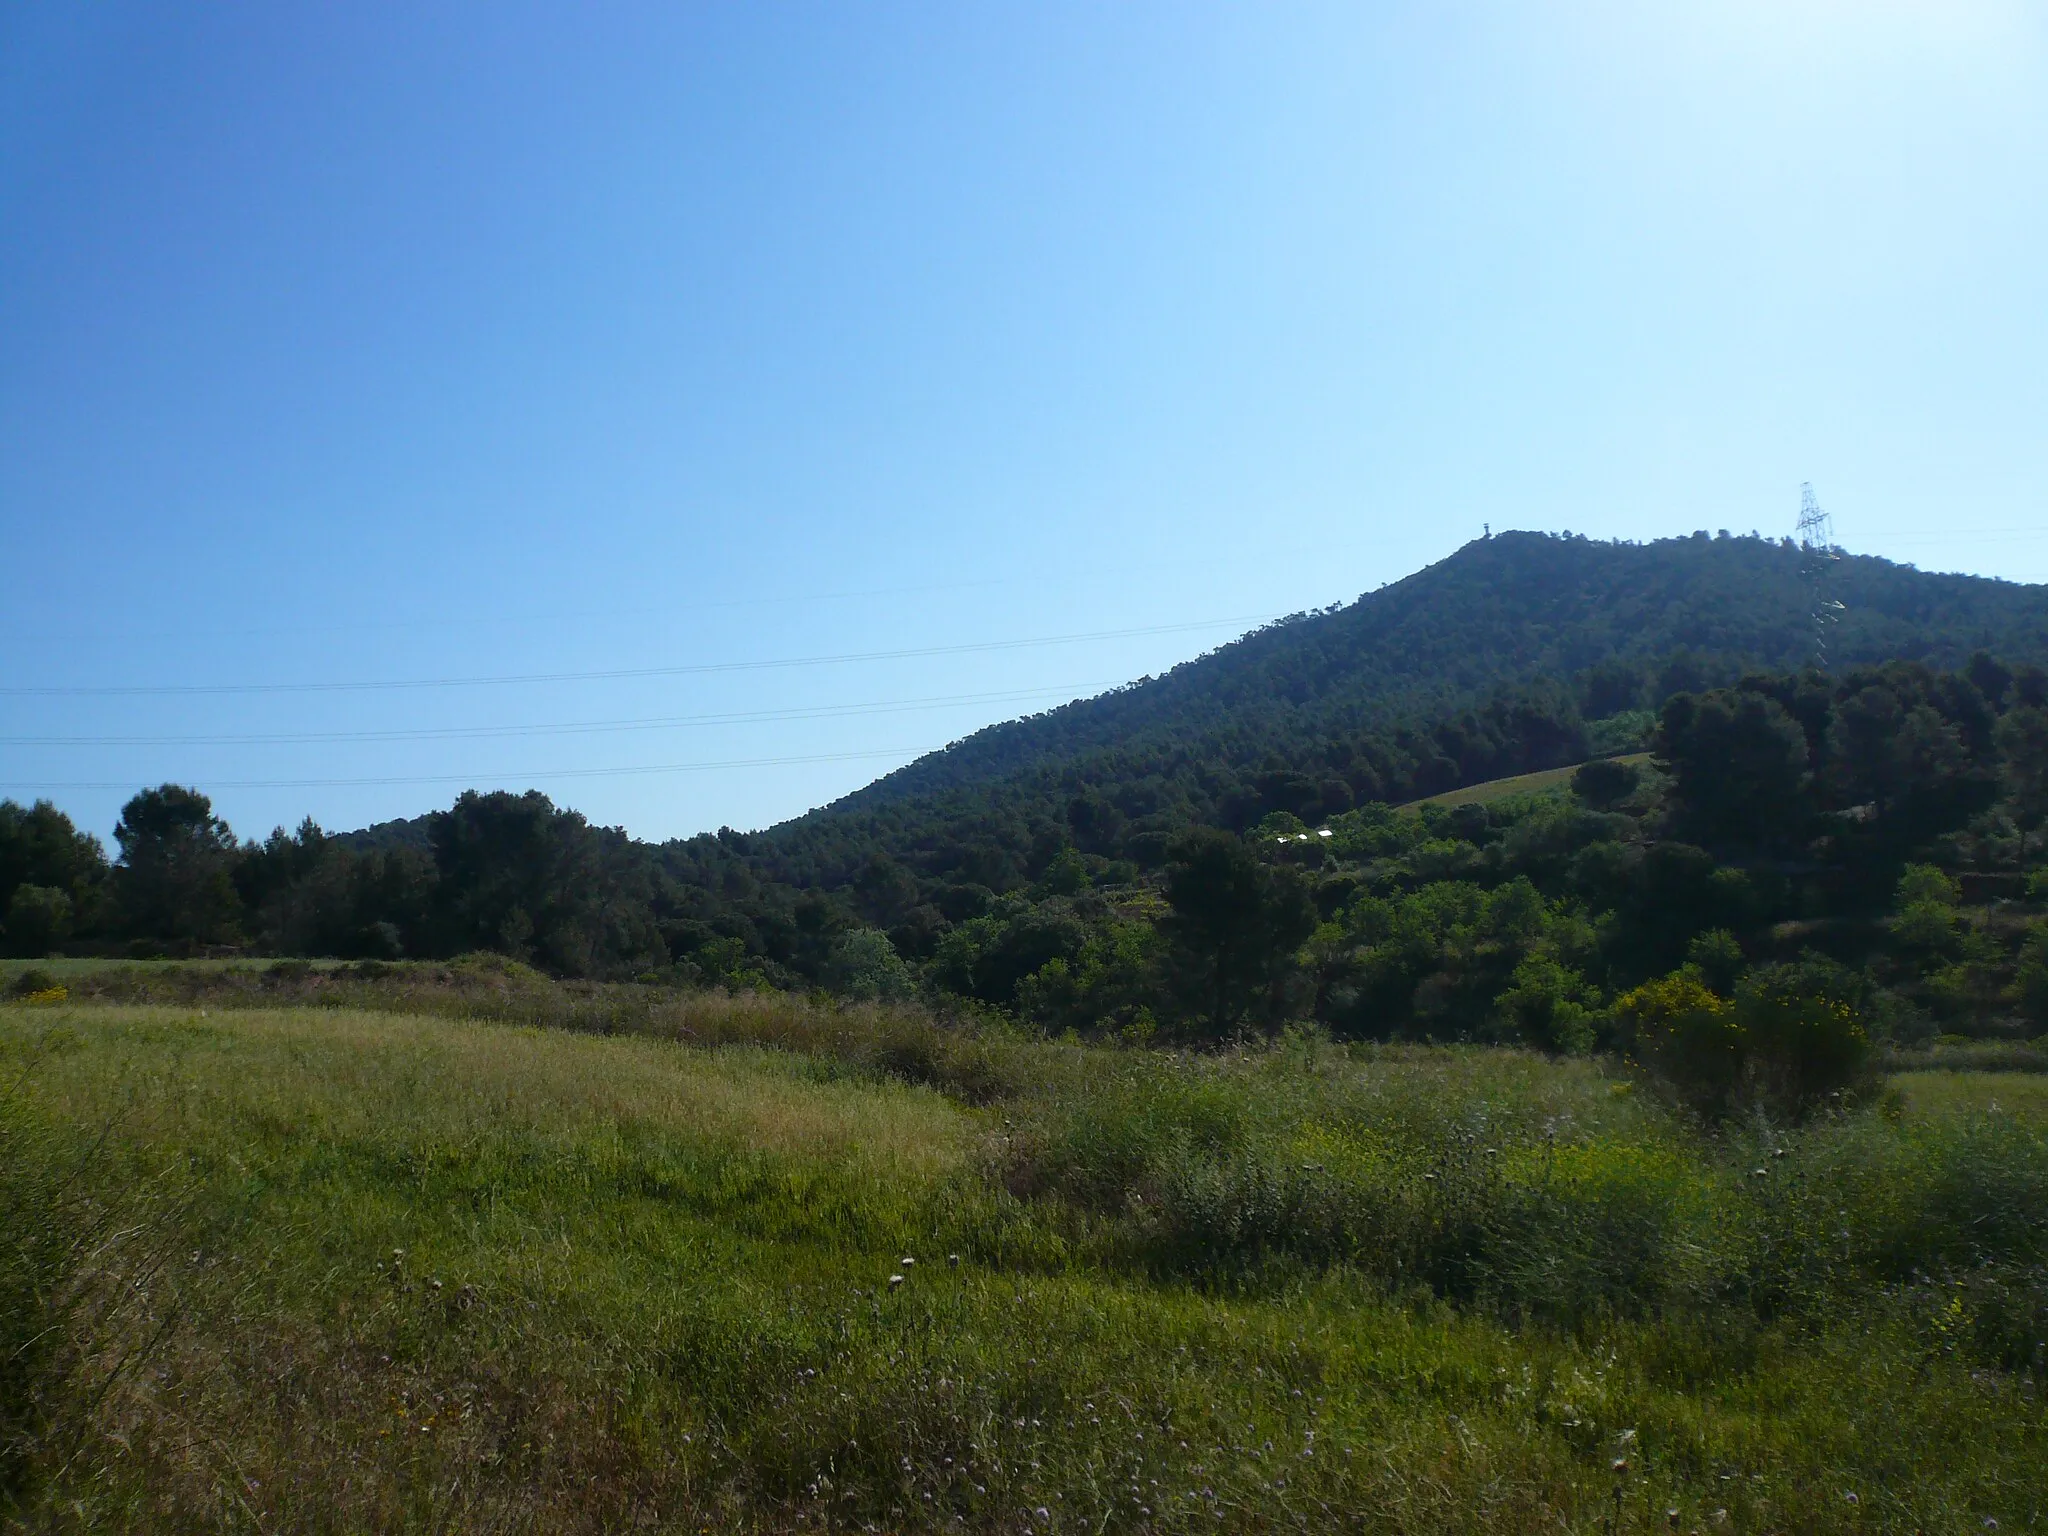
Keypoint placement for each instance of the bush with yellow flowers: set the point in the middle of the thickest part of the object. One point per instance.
(1787, 1042)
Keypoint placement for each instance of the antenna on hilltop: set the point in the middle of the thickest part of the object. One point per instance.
(1818, 556)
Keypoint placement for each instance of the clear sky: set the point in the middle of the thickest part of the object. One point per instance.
(360, 344)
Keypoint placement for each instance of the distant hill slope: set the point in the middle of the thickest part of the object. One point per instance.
(1485, 664)
(1515, 606)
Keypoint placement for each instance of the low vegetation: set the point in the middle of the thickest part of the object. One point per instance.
(457, 1247)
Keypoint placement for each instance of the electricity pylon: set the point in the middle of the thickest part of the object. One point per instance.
(1817, 559)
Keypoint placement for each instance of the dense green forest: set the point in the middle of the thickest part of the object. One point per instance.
(1222, 849)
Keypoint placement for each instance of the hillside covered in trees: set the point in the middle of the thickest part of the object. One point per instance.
(1221, 848)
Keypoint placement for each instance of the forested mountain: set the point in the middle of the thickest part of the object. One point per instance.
(1151, 859)
(1518, 652)
(1500, 613)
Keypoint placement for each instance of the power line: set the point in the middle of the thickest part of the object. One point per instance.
(555, 616)
(186, 690)
(909, 753)
(486, 732)
(526, 618)
(1963, 535)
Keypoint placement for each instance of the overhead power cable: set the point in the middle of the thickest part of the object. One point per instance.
(527, 618)
(907, 753)
(184, 690)
(566, 728)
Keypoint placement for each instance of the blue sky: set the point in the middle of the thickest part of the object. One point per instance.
(366, 345)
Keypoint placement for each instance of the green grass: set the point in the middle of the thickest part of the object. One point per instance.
(1546, 780)
(355, 1269)
(67, 968)
(2024, 1095)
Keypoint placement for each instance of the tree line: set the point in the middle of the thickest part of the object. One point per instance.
(1854, 829)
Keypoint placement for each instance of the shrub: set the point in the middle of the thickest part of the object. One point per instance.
(1603, 783)
(1804, 1044)
(1927, 921)
(1545, 1004)
(1688, 1037)
(32, 981)
(1717, 956)
(866, 967)
(1787, 1042)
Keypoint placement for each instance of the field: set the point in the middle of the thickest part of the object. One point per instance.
(339, 1263)
(1519, 784)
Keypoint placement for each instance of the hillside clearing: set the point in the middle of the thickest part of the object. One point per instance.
(1519, 784)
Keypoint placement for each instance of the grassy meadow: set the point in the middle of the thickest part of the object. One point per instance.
(1543, 781)
(436, 1250)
